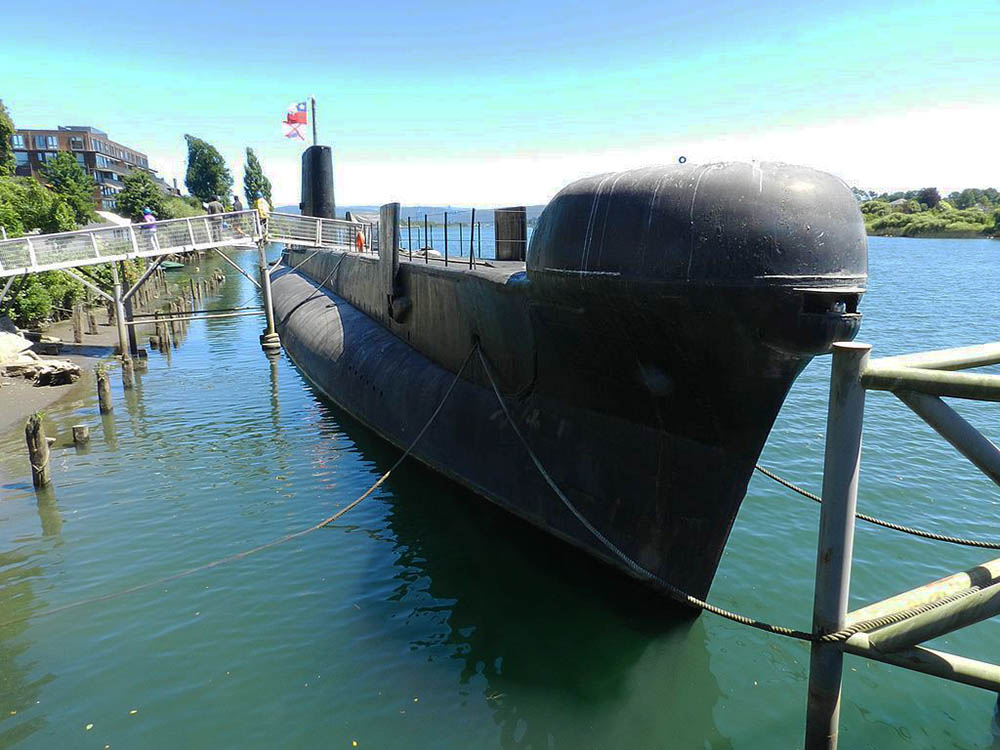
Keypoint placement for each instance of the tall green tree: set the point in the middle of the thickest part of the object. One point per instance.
(7, 162)
(140, 192)
(207, 173)
(929, 196)
(254, 180)
(67, 179)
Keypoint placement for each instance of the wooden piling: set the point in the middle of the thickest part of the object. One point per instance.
(128, 373)
(78, 323)
(81, 434)
(92, 322)
(103, 390)
(38, 450)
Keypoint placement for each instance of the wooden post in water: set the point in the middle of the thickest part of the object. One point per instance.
(91, 323)
(103, 390)
(78, 323)
(446, 238)
(128, 373)
(81, 434)
(38, 450)
(409, 238)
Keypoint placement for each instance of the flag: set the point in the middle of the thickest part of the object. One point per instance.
(297, 114)
(292, 130)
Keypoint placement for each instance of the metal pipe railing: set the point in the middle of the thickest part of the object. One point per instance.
(928, 611)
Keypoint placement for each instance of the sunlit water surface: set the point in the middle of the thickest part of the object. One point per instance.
(427, 619)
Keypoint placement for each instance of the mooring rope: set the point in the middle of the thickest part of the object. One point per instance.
(674, 592)
(268, 545)
(684, 597)
(878, 521)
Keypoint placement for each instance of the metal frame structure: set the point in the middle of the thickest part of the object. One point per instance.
(66, 251)
(87, 247)
(919, 381)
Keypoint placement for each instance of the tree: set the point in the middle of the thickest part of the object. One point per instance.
(67, 178)
(207, 174)
(7, 162)
(25, 204)
(254, 180)
(930, 196)
(140, 192)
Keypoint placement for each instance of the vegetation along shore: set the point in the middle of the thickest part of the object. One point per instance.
(969, 213)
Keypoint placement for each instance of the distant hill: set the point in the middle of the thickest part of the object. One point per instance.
(435, 213)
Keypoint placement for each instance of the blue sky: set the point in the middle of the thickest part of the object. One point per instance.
(475, 103)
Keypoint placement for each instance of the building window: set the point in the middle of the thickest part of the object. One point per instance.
(40, 142)
(17, 141)
(51, 141)
(81, 160)
(22, 158)
(76, 143)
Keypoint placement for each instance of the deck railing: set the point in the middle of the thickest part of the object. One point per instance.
(920, 381)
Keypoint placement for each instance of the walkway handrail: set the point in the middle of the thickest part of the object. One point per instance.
(83, 247)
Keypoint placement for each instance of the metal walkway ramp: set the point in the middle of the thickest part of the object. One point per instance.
(87, 247)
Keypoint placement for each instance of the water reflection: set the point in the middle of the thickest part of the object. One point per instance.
(564, 649)
(48, 511)
(19, 689)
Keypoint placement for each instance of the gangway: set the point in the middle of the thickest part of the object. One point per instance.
(66, 251)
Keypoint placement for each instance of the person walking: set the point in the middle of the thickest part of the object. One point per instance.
(263, 211)
(214, 207)
(149, 228)
(238, 221)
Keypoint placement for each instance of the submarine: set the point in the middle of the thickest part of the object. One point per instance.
(642, 344)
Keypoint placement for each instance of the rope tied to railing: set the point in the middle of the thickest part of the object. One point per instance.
(684, 597)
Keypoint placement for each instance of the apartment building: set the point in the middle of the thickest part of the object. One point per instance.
(107, 161)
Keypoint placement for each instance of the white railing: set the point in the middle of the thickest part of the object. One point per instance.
(84, 247)
(293, 229)
(50, 252)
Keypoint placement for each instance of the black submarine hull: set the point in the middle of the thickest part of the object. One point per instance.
(644, 350)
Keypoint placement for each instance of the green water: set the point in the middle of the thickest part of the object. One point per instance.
(427, 619)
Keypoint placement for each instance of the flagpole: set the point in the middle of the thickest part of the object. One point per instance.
(313, 100)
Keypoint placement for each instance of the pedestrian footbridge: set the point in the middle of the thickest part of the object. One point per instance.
(67, 251)
(87, 247)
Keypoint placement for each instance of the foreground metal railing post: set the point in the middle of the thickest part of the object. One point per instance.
(836, 540)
